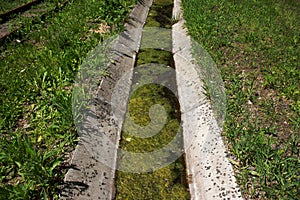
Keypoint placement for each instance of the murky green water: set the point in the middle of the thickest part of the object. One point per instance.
(168, 182)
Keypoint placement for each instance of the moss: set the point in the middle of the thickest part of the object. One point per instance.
(139, 106)
(160, 14)
(168, 182)
(154, 56)
(165, 183)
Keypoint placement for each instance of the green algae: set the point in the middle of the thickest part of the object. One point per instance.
(160, 14)
(168, 182)
(165, 183)
(152, 56)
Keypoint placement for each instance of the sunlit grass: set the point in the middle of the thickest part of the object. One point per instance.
(36, 76)
(256, 46)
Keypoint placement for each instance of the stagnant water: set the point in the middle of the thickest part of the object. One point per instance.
(168, 182)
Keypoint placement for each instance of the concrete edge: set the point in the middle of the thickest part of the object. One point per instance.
(88, 177)
(210, 174)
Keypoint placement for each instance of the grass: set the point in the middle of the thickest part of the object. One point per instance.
(36, 76)
(256, 46)
(18, 23)
(6, 5)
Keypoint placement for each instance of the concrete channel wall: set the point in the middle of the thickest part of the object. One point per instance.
(88, 177)
(210, 174)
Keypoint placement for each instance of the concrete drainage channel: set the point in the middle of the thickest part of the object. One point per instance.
(206, 172)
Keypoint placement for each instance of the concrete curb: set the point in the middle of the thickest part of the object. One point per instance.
(89, 178)
(210, 174)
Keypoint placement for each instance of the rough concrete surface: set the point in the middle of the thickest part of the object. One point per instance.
(210, 174)
(92, 171)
